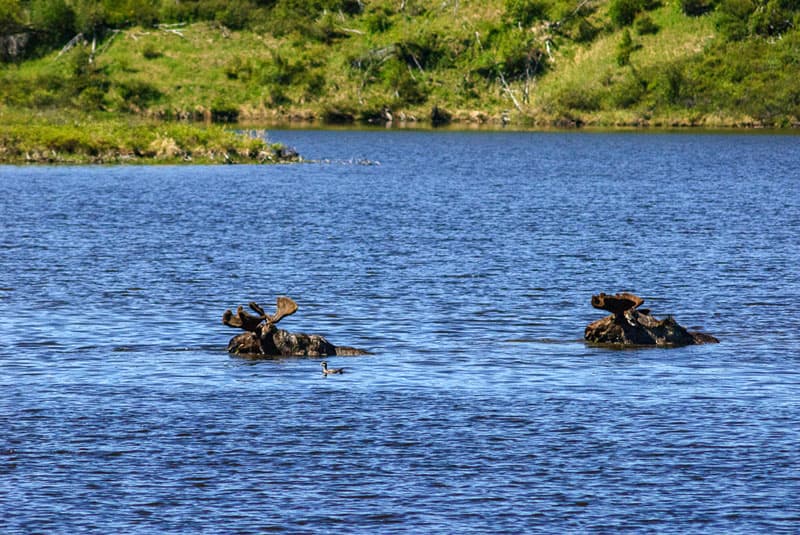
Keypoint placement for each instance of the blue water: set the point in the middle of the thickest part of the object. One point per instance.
(465, 263)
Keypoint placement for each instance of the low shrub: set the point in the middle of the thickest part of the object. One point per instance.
(138, 93)
(580, 98)
(627, 93)
(525, 12)
(733, 18)
(623, 12)
(337, 114)
(150, 51)
(625, 48)
(695, 8)
(644, 25)
(224, 111)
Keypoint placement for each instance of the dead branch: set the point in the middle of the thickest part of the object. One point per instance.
(72, 42)
(508, 90)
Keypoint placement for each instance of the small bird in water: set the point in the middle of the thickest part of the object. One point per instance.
(330, 371)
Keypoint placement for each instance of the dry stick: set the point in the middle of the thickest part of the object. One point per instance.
(94, 47)
(176, 32)
(108, 43)
(72, 42)
(526, 89)
(502, 78)
(510, 93)
(416, 62)
(528, 74)
(584, 2)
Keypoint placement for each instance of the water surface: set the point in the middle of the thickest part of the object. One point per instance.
(464, 262)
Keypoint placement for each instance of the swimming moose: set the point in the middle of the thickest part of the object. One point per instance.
(263, 338)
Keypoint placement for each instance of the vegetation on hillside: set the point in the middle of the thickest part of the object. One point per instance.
(604, 62)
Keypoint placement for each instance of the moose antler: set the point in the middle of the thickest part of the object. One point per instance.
(617, 304)
(285, 306)
(243, 320)
(255, 307)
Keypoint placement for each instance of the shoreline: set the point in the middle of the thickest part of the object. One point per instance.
(136, 140)
(443, 118)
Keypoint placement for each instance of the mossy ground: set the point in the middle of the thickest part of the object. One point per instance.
(111, 139)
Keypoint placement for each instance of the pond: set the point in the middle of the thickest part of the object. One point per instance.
(465, 263)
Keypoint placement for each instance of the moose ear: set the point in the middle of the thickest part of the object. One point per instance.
(285, 307)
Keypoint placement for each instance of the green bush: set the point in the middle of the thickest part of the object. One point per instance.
(301, 16)
(11, 16)
(338, 114)
(582, 31)
(349, 7)
(695, 8)
(578, 98)
(54, 18)
(623, 12)
(277, 96)
(644, 25)
(92, 98)
(733, 18)
(514, 54)
(150, 51)
(281, 70)
(398, 79)
(224, 111)
(90, 17)
(378, 19)
(425, 49)
(625, 48)
(672, 87)
(315, 86)
(325, 29)
(525, 12)
(138, 93)
(236, 15)
(774, 18)
(627, 92)
(123, 13)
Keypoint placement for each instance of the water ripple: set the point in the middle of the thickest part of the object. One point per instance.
(467, 276)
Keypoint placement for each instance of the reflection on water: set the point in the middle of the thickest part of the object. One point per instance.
(465, 263)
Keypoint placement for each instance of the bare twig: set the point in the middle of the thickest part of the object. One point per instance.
(176, 32)
(508, 90)
(72, 42)
(108, 42)
(94, 47)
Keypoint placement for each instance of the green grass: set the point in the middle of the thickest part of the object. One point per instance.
(81, 138)
(473, 58)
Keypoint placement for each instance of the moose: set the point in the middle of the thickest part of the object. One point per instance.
(263, 339)
(629, 325)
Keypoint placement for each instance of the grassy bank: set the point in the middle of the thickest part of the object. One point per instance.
(112, 139)
(713, 63)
